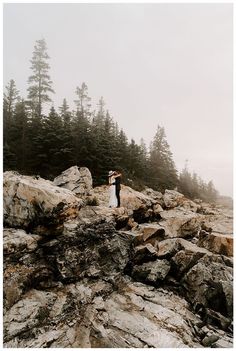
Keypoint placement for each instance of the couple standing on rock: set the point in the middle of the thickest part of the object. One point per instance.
(114, 178)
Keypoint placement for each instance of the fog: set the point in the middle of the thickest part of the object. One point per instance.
(167, 64)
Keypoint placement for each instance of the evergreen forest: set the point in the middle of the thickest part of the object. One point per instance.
(35, 143)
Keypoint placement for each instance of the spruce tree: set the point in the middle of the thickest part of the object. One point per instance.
(39, 82)
(67, 142)
(163, 174)
(10, 97)
(19, 136)
(53, 144)
(81, 128)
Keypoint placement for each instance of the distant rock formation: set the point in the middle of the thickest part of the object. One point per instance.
(157, 272)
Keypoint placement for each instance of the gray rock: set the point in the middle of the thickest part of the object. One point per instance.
(209, 340)
(209, 283)
(36, 204)
(151, 272)
(217, 243)
(76, 179)
(181, 223)
(144, 253)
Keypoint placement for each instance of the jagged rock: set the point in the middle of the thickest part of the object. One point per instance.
(28, 313)
(169, 247)
(222, 344)
(209, 340)
(36, 204)
(181, 223)
(76, 179)
(83, 250)
(149, 233)
(144, 253)
(18, 241)
(151, 272)
(155, 195)
(217, 243)
(23, 266)
(174, 199)
(209, 284)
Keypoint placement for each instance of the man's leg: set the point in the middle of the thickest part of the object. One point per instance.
(118, 197)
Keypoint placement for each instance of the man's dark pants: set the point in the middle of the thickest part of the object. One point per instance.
(118, 195)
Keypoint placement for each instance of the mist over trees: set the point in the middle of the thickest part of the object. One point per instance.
(47, 144)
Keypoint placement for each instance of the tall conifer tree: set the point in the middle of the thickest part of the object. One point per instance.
(39, 82)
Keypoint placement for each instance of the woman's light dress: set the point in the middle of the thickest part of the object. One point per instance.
(113, 198)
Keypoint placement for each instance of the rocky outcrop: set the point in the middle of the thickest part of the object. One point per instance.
(152, 273)
(35, 204)
(77, 179)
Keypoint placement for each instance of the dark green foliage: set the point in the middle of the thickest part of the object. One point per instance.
(162, 171)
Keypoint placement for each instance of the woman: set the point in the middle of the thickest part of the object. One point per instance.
(112, 184)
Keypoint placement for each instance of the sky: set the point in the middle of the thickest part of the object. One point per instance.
(154, 64)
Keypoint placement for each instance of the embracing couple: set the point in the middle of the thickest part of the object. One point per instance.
(114, 178)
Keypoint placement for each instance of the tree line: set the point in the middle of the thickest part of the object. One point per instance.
(47, 144)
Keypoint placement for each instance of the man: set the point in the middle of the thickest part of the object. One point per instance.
(118, 181)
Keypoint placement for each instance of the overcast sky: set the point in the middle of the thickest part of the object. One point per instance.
(167, 64)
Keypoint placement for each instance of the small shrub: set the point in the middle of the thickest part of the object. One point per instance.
(92, 201)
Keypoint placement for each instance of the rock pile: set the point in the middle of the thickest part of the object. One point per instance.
(153, 273)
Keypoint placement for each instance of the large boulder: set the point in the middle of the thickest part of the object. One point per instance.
(217, 243)
(76, 179)
(36, 204)
(151, 272)
(181, 223)
(149, 233)
(209, 283)
(174, 199)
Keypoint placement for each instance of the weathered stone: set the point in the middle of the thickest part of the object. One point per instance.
(17, 240)
(76, 179)
(168, 248)
(36, 204)
(217, 243)
(209, 283)
(151, 272)
(180, 223)
(209, 340)
(85, 249)
(149, 233)
(144, 253)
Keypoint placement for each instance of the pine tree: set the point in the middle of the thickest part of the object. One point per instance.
(10, 97)
(40, 83)
(53, 144)
(163, 174)
(19, 136)
(81, 128)
(67, 142)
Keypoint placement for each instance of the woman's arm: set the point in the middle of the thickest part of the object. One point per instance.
(117, 175)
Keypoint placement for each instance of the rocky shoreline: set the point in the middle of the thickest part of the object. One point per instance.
(157, 272)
